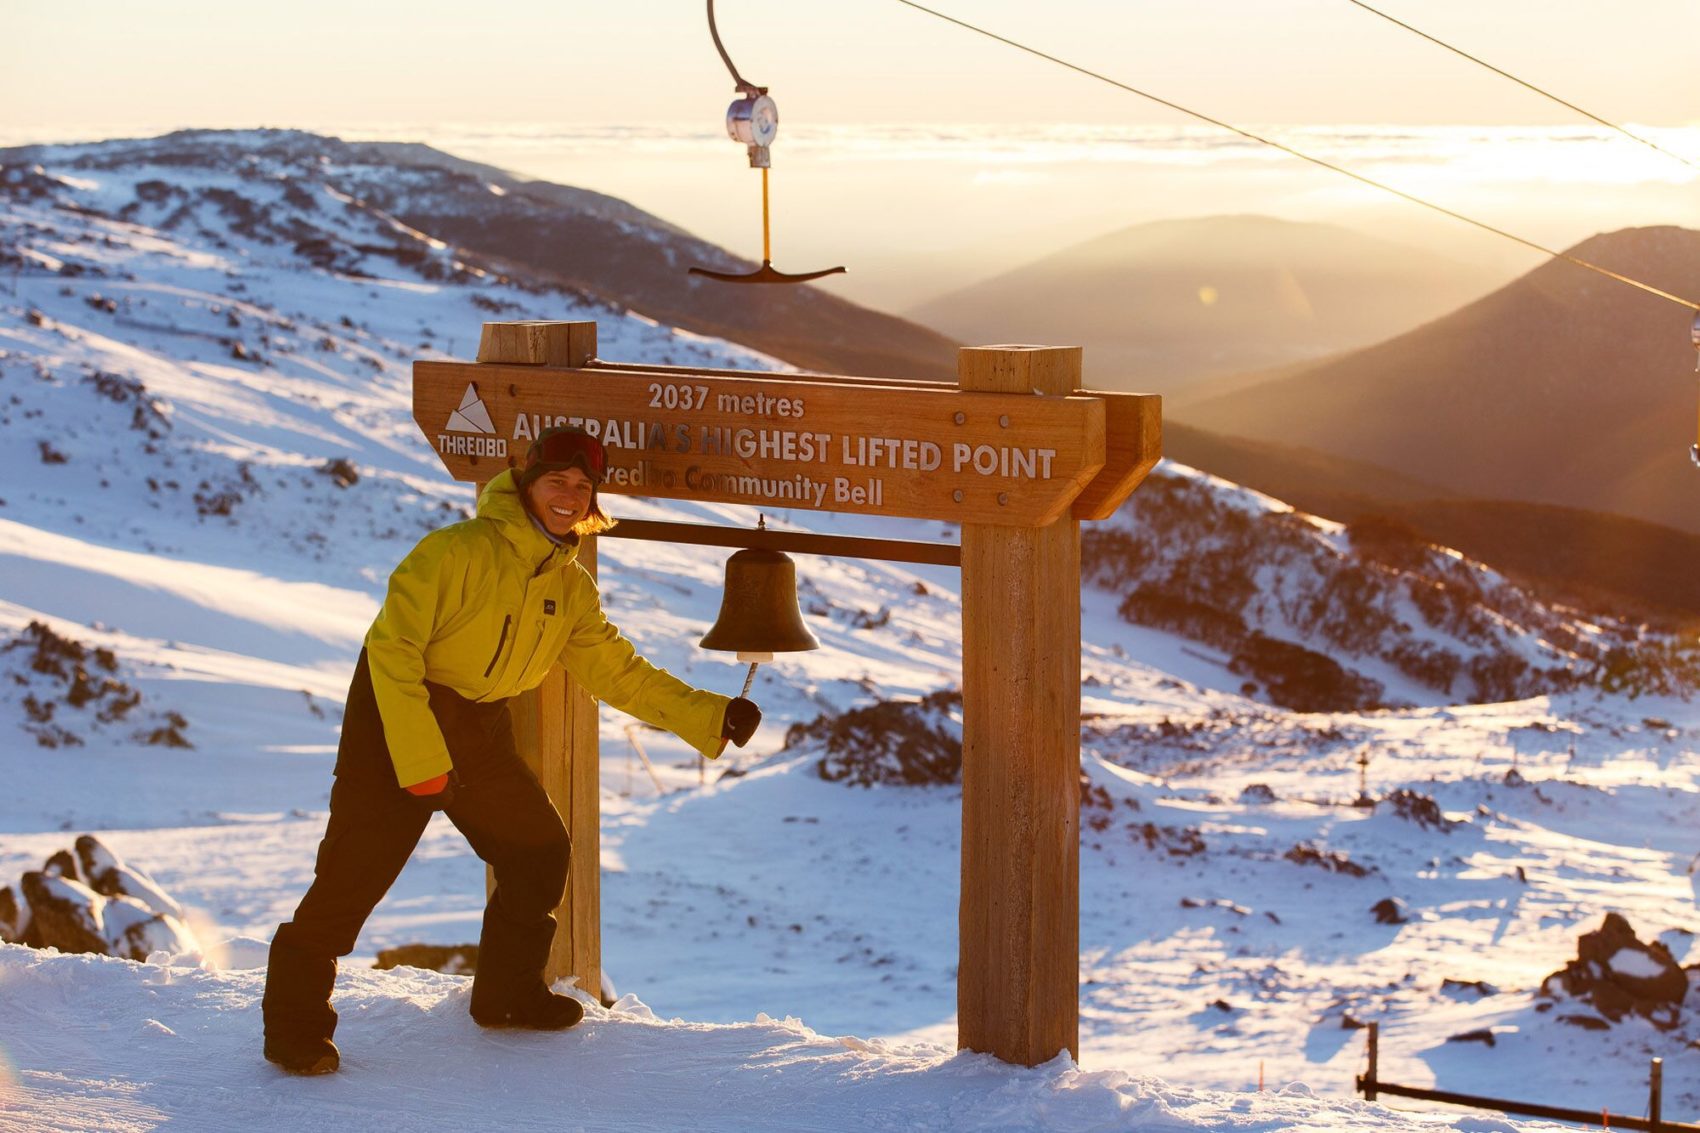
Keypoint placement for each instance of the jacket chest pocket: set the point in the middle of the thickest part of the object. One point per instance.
(531, 639)
(501, 644)
(521, 648)
(544, 648)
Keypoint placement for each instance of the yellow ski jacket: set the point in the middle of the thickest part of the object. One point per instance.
(486, 607)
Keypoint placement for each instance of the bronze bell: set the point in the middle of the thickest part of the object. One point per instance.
(759, 615)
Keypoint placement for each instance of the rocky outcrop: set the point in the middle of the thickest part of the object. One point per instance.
(89, 900)
(64, 914)
(1619, 975)
(897, 742)
(456, 959)
(110, 877)
(73, 690)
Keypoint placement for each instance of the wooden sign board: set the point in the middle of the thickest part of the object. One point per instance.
(1010, 459)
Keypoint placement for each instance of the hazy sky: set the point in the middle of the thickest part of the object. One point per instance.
(217, 62)
(627, 97)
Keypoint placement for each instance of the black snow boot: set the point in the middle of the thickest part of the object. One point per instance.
(301, 1054)
(508, 981)
(299, 1019)
(536, 1009)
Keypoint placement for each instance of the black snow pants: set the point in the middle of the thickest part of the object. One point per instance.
(374, 825)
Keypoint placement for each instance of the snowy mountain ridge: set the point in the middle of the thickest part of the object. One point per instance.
(554, 237)
(212, 467)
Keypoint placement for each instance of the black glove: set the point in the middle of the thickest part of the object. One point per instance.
(742, 717)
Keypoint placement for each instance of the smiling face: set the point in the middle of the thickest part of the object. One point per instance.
(560, 500)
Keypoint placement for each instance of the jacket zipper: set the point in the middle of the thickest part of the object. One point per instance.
(507, 620)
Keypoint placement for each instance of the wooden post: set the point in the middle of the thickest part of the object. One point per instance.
(1018, 977)
(1372, 1078)
(555, 726)
(1656, 1095)
(538, 343)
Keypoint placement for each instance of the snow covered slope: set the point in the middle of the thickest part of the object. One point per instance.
(179, 1056)
(210, 468)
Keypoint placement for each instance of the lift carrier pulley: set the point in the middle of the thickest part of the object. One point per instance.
(753, 119)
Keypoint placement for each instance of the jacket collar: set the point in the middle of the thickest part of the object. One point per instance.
(500, 504)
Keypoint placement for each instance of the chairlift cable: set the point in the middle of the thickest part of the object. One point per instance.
(1523, 83)
(1289, 150)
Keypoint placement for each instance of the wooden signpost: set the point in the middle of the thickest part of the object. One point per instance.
(1004, 458)
(1017, 454)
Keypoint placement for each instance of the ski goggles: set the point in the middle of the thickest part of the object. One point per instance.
(560, 448)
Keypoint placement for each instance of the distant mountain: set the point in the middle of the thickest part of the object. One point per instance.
(1160, 305)
(1561, 388)
(1587, 559)
(1311, 480)
(544, 235)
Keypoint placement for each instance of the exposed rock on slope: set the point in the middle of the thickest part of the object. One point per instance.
(902, 743)
(91, 901)
(1594, 559)
(66, 689)
(1320, 617)
(1618, 975)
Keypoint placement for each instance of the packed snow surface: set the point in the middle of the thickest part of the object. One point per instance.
(99, 1044)
(180, 503)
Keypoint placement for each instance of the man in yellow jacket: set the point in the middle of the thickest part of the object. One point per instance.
(477, 613)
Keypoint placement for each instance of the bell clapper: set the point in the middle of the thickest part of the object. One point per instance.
(754, 659)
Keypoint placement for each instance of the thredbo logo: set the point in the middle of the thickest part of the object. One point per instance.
(471, 418)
